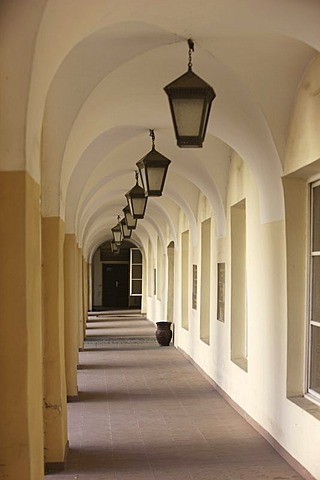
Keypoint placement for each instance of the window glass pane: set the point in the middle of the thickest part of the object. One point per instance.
(316, 219)
(315, 359)
(315, 307)
(136, 271)
(136, 287)
(136, 256)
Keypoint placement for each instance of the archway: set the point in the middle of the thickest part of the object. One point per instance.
(117, 278)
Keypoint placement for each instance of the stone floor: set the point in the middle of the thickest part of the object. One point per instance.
(145, 413)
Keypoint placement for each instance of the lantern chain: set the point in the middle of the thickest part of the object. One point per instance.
(152, 135)
(191, 49)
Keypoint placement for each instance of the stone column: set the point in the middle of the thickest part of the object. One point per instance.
(85, 293)
(55, 411)
(80, 300)
(71, 315)
(90, 287)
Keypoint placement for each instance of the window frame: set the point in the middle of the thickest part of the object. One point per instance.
(132, 278)
(310, 392)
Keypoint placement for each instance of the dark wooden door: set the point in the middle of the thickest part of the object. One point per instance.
(115, 285)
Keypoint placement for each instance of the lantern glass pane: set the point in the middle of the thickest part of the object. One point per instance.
(131, 222)
(125, 230)
(117, 234)
(114, 247)
(143, 178)
(188, 116)
(205, 118)
(155, 178)
(138, 205)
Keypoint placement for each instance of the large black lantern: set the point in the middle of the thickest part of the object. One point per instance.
(114, 247)
(126, 232)
(153, 169)
(137, 200)
(190, 100)
(117, 233)
(130, 220)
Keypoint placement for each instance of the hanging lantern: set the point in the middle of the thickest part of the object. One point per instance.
(114, 247)
(117, 233)
(190, 100)
(137, 200)
(153, 169)
(130, 221)
(126, 232)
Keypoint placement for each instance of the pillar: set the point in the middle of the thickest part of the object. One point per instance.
(90, 270)
(55, 408)
(71, 314)
(85, 293)
(80, 300)
(21, 420)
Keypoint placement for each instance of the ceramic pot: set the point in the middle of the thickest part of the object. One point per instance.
(163, 333)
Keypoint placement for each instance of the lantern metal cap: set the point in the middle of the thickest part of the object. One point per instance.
(137, 191)
(190, 85)
(154, 158)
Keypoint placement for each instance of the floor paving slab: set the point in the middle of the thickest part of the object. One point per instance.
(146, 413)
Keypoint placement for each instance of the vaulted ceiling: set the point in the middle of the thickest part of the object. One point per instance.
(95, 71)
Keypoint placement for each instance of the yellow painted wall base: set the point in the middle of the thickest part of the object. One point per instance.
(21, 424)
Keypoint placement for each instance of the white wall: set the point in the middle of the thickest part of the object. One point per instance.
(275, 302)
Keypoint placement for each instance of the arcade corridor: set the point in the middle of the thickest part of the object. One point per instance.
(102, 207)
(146, 413)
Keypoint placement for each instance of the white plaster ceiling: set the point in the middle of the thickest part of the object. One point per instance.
(96, 87)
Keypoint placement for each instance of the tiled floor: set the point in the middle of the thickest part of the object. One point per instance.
(145, 413)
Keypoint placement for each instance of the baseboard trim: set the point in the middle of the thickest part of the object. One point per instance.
(300, 469)
(54, 467)
(72, 398)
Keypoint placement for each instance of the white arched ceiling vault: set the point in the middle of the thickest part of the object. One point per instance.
(113, 187)
(102, 216)
(103, 205)
(97, 87)
(120, 162)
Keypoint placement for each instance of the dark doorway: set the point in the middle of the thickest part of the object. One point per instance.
(115, 285)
